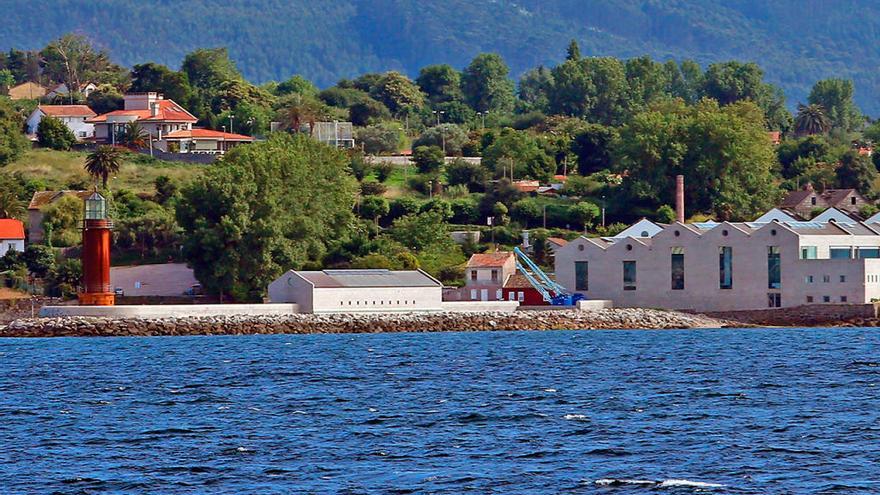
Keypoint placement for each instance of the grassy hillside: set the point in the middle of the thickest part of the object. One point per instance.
(325, 40)
(61, 170)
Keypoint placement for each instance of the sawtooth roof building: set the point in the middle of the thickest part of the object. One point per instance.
(775, 261)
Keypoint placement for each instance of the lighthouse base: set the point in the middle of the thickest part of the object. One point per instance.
(97, 299)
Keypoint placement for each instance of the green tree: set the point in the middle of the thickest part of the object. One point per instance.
(105, 99)
(103, 162)
(368, 112)
(13, 143)
(583, 213)
(265, 208)
(7, 80)
(397, 92)
(62, 221)
(486, 85)
(379, 139)
(811, 119)
(521, 152)
(383, 171)
(300, 111)
(421, 231)
(835, 97)
(665, 214)
(856, 172)
(10, 205)
(723, 152)
(165, 189)
(133, 136)
(573, 52)
(594, 147)
(52, 133)
(208, 67)
(450, 137)
(534, 88)
(527, 210)
(156, 77)
(374, 208)
(40, 259)
(441, 83)
(647, 80)
(470, 174)
(428, 159)
(64, 280)
(297, 84)
(593, 88)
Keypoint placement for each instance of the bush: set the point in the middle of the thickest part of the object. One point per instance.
(466, 173)
(369, 188)
(454, 136)
(383, 170)
(465, 211)
(368, 112)
(527, 211)
(404, 206)
(40, 259)
(428, 159)
(665, 214)
(583, 213)
(377, 139)
(359, 166)
(52, 133)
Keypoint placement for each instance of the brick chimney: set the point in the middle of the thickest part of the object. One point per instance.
(679, 198)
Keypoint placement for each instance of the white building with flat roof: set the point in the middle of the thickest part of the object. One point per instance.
(729, 266)
(358, 291)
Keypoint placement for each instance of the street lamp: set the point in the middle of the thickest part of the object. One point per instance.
(231, 116)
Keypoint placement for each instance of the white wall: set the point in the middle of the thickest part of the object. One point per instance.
(11, 245)
(77, 125)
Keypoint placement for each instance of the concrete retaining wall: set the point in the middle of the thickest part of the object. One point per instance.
(807, 315)
(171, 310)
(479, 306)
(594, 304)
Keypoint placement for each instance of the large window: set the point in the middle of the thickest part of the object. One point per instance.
(581, 275)
(629, 275)
(869, 252)
(808, 252)
(774, 268)
(838, 253)
(725, 267)
(677, 269)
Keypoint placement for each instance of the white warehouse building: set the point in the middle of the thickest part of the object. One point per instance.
(358, 291)
(773, 262)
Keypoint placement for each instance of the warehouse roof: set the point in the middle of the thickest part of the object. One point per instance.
(369, 278)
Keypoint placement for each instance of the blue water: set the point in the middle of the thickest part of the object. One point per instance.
(756, 411)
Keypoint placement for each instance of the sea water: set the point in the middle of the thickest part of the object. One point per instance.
(721, 411)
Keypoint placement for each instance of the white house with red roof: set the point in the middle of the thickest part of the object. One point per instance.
(75, 117)
(11, 236)
(203, 141)
(486, 274)
(156, 115)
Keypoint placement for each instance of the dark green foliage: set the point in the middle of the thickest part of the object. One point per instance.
(12, 141)
(367, 112)
(372, 188)
(373, 207)
(165, 189)
(105, 99)
(296, 84)
(155, 77)
(52, 133)
(473, 175)
(594, 147)
(665, 214)
(383, 171)
(265, 208)
(857, 172)
(519, 151)
(428, 159)
(342, 97)
(379, 139)
(486, 85)
(441, 83)
(835, 97)
(445, 136)
(40, 259)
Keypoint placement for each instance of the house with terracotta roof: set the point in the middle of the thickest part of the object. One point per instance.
(485, 275)
(806, 200)
(62, 90)
(26, 91)
(11, 236)
(39, 202)
(156, 116)
(201, 141)
(75, 117)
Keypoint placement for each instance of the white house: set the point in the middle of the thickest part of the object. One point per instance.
(642, 228)
(156, 116)
(11, 236)
(75, 117)
(358, 291)
(63, 90)
(204, 141)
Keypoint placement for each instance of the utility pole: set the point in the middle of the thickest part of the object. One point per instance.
(230, 122)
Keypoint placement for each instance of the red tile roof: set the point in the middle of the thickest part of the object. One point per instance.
(489, 260)
(11, 229)
(519, 281)
(557, 240)
(169, 111)
(207, 134)
(43, 198)
(67, 110)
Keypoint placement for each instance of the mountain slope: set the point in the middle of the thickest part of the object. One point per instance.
(325, 39)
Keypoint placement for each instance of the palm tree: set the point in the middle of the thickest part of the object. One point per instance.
(303, 111)
(102, 162)
(811, 119)
(10, 206)
(133, 136)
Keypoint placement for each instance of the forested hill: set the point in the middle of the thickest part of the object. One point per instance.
(796, 41)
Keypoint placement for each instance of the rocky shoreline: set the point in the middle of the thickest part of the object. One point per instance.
(360, 323)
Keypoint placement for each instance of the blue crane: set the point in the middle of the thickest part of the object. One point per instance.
(552, 292)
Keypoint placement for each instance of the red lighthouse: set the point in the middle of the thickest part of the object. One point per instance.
(96, 290)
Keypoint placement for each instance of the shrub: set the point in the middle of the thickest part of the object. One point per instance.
(428, 159)
(383, 170)
(52, 133)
